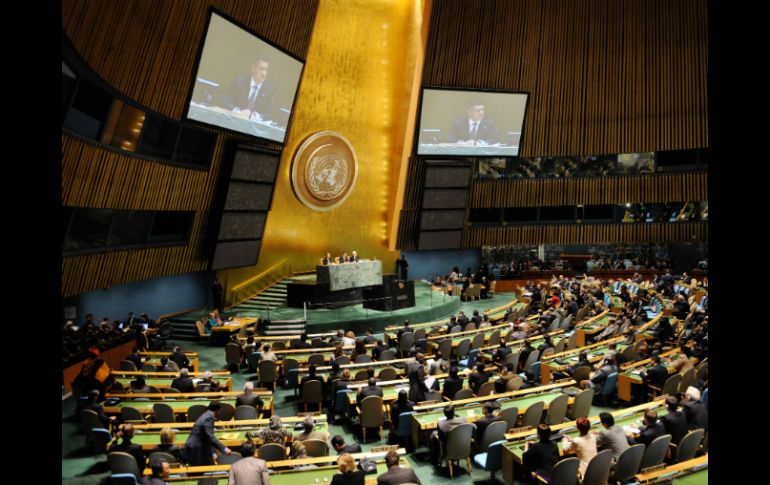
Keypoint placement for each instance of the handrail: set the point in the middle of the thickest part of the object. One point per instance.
(259, 283)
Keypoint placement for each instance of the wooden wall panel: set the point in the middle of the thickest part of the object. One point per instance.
(604, 76)
(585, 234)
(672, 187)
(146, 49)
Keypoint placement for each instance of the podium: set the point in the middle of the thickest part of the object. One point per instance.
(393, 294)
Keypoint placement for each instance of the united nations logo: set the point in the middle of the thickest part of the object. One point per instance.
(324, 171)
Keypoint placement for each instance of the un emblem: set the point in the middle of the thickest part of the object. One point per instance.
(324, 171)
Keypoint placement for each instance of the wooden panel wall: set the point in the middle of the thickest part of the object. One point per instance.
(145, 49)
(604, 76)
(674, 187)
(585, 234)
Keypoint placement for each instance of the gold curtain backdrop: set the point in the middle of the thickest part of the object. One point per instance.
(358, 82)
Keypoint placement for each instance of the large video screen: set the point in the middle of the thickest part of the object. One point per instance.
(242, 83)
(475, 123)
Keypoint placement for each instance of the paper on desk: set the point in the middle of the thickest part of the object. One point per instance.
(429, 382)
(631, 429)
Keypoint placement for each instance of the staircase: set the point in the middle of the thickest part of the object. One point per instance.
(184, 326)
(285, 327)
(273, 297)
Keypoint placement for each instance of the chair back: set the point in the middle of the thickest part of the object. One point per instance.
(470, 326)
(629, 353)
(121, 462)
(271, 452)
(533, 414)
(279, 345)
(245, 412)
(341, 402)
(363, 358)
(156, 456)
(101, 438)
(267, 372)
(478, 341)
(404, 429)
(535, 369)
(494, 432)
(705, 398)
(689, 445)
(433, 396)
(628, 463)
(406, 342)
(513, 358)
(656, 452)
(547, 352)
(531, 359)
(233, 354)
(581, 407)
(456, 329)
(487, 388)
(127, 365)
(463, 348)
(223, 459)
(557, 410)
(582, 373)
(445, 346)
(463, 393)
(672, 384)
(371, 412)
(316, 447)
(610, 385)
(312, 392)
(494, 453)
(172, 365)
(511, 416)
(316, 359)
(387, 355)
(565, 324)
(130, 414)
(572, 342)
(700, 371)
(342, 360)
(147, 367)
(162, 413)
(288, 367)
(226, 412)
(494, 338)
(559, 348)
(514, 384)
(195, 411)
(361, 375)
(565, 472)
(420, 333)
(388, 374)
(688, 379)
(201, 329)
(90, 421)
(459, 442)
(598, 470)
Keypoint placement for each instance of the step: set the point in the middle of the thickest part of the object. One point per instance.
(284, 332)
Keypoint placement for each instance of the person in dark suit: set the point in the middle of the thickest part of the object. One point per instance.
(334, 386)
(183, 383)
(403, 267)
(404, 330)
(354, 257)
(167, 444)
(160, 473)
(198, 447)
(540, 457)
(179, 358)
(126, 432)
(378, 349)
(395, 474)
(653, 428)
(502, 352)
(475, 129)
(402, 405)
(477, 378)
(453, 383)
(370, 338)
(301, 342)
(251, 96)
(695, 410)
(371, 390)
(657, 374)
(135, 358)
(489, 417)
(675, 421)
(327, 260)
(348, 474)
(93, 405)
(338, 442)
(248, 398)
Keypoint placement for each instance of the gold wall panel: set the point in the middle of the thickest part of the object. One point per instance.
(358, 82)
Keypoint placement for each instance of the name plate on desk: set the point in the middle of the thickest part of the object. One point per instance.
(653, 468)
(520, 430)
(381, 449)
(350, 275)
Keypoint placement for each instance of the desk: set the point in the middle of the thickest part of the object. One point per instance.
(350, 275)
(627, 378)
(215, 115)
(165, 382)
(180, 406)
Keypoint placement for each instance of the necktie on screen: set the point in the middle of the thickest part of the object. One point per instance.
(474, 129)
(253, 98)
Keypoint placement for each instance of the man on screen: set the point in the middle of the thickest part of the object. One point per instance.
(474, 129)
(251, 97)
